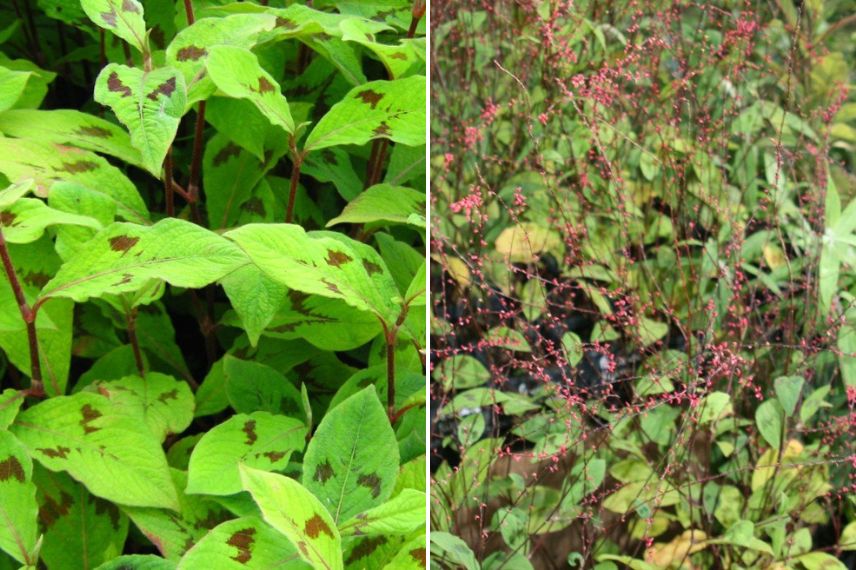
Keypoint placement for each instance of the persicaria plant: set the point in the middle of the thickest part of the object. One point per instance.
(212, 298)
(644, 334)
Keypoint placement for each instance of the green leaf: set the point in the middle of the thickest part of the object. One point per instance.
(71, 127)
(788, 390)
(411, 556)
(400, 515)
(47, 163)
(255, 297)
(573, 347)
(506, 337)
(715, 406)
(237, 73)
(243, 544)
(322, 263)
(820, 561)
(650, 331)
(334, 165)
(26, 220)
(770, 419)
(254, 386)
(847, 356)
(452, 549)
(461, 371)
(125, 257)
(76, 199)
(150, 104)
(14, 192)
(189, 49)
(329, 324)
(295, 512)
(138, 562)
(379, 109)
(260, 440)
(12, 85)
(53, 326)
(351, 462)
(10, 403)
(228, 176)
(18, 508)
(161, 401)
(173, 533)
(80, 531)
(408, 57)
(415, 294)
(384, 203)
(848, 537)
(124, 18)
(114, 455)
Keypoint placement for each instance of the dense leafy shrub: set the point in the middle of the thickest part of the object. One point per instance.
(643, 288)
(213, 291)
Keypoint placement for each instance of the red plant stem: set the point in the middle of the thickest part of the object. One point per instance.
(416, 14)
(390, 374)
(297, 162)
(169, 191)
(188, 9)
(29, 316)
(131, 319)
(196, 160)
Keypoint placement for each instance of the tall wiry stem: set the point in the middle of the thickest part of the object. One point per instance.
(29, 317)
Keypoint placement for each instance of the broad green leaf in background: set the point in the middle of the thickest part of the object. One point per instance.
(260, 440)
(228, 176)
(351, 462)
(788, 390)
(80, 530)
(295, 512)
(246, 543)
(125, 257)
(150, 104)
(18, 508)
(322, 263)
(122, 17)
(770, 420)
(252, 386)
(114, 455)
(237, 73)
(384, 203)
(402, 514)
(379, 109)
(161, 401)
(71, 127)
(26, 220)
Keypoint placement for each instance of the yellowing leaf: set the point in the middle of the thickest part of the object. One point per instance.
(524, 242)
(664, 555)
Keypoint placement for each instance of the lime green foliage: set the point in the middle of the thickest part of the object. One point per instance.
(196, 305)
